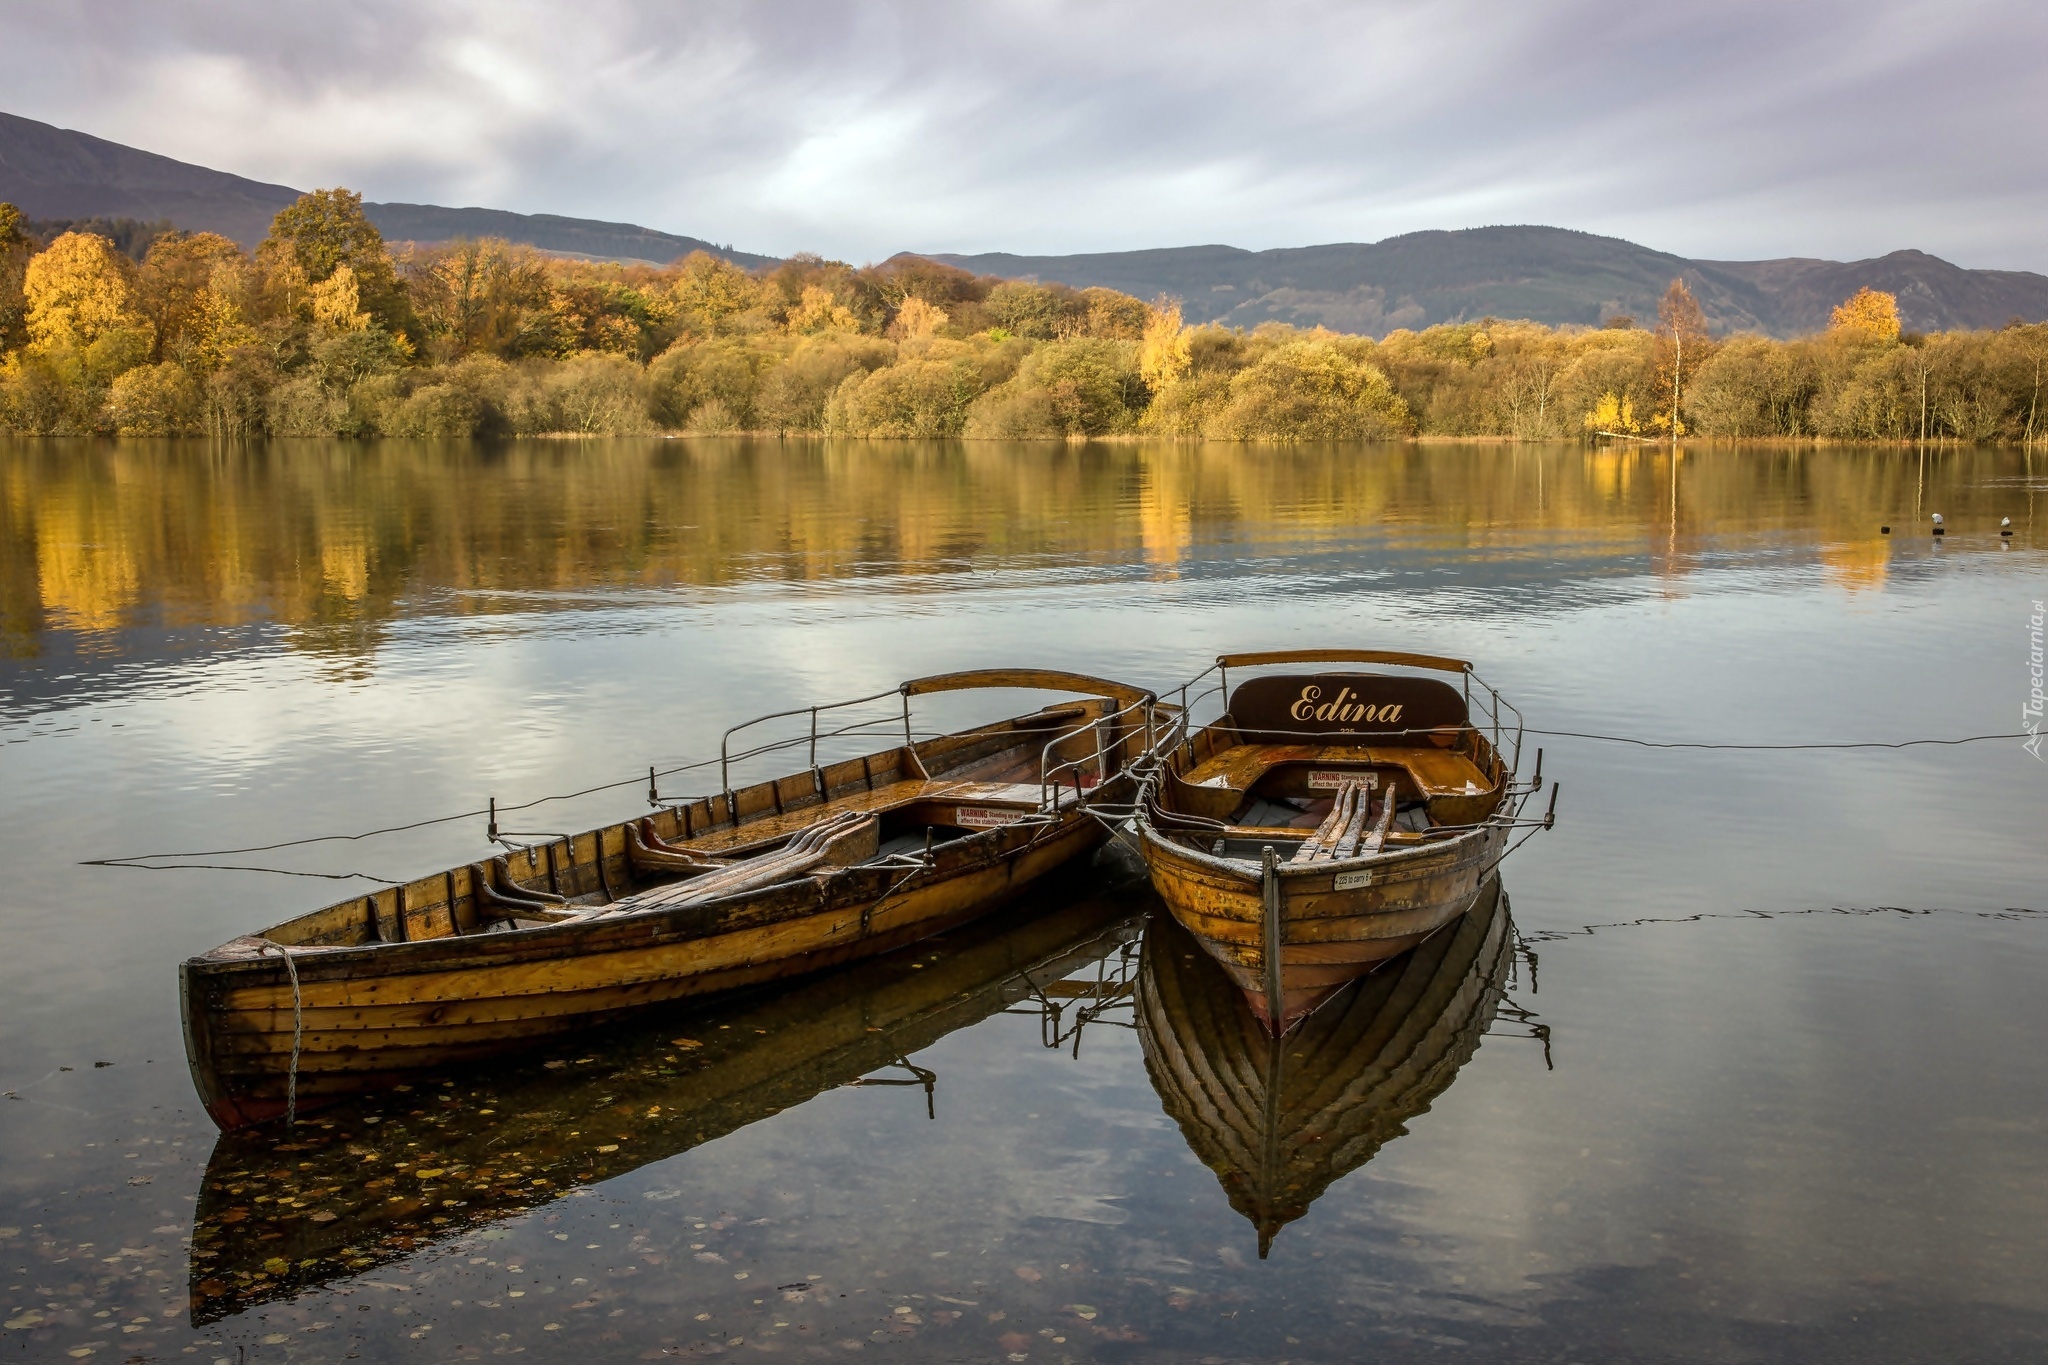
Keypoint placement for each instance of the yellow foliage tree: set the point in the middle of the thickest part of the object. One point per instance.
(817, 311)
(916, 319)
(710, 290)
(1614, 413)
(1164, 352)
(1866, 315)
(337, 302)
(80, 291)
(218, 328)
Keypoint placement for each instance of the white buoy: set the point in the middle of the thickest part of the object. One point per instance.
(2005, 526)
(1939, 529)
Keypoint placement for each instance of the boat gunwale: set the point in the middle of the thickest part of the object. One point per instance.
(318, 961)
(1401, 856)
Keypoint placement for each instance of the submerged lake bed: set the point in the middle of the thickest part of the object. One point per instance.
(1744, 1066)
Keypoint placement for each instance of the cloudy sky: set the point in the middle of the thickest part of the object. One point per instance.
(856, 128)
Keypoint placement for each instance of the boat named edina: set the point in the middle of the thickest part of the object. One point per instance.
(766, 881)
(1327, 821)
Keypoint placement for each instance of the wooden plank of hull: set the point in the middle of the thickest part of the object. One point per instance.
(1278, 1121)
(499, 990)
(779, 1051)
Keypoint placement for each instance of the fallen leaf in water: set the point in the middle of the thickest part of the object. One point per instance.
(1028, 1275)
(324, 1217)
(1014, 1342)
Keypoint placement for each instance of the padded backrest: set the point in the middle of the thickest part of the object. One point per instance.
(1365, 704)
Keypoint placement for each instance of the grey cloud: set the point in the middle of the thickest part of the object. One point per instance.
(1731, 129)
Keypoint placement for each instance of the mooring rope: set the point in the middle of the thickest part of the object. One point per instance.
(1780, 748)
(291, 1082)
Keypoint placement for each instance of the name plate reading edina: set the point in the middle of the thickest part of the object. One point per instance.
(1345, 704)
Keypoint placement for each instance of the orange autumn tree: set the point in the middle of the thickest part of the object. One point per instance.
(1866, 315)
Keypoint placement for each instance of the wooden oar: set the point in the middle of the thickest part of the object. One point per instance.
(1347, 842)
(1378, 838)
(648, 854)
(1320, 843)
(839, 840)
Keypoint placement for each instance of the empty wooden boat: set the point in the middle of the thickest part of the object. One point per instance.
(1279, 1120)
(756, 883)
(1326, 821)
(386, 1177)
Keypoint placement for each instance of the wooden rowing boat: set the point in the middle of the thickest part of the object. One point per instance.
(770, 880)
(1279, 1120)
(1326, 821)
(384, 1177)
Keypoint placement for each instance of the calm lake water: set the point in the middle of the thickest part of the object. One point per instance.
(1748, 1066)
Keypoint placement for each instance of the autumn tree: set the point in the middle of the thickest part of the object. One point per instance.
(1316, 388)
(916, 319)
(172, 283)
(1682, 345)
(1163, 348)
(711, 293)
(1866, 316)
(323, 231)
(1037, 311)
(82, 306)
(817, 310)
(482, 296)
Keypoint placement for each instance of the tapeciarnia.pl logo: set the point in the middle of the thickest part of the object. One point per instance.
(2030, 714)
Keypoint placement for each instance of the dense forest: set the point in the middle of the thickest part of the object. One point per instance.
(326, 330)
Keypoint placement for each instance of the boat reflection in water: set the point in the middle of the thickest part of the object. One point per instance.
(1280, 1120)
(370, 1182)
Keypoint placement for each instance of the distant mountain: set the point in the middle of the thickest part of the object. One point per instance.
(1551, 275)
(547, 231)
(1548, 274)
(55, 173)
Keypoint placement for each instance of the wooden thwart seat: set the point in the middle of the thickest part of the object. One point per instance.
(1435, 772)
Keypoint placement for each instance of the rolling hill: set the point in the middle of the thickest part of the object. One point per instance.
(53, 172)
(1548, 274)
(1551, 275)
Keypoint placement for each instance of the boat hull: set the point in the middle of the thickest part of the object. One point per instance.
(261, 1038)
(1328, 936)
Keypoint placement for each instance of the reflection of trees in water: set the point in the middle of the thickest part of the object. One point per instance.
(326, 536)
